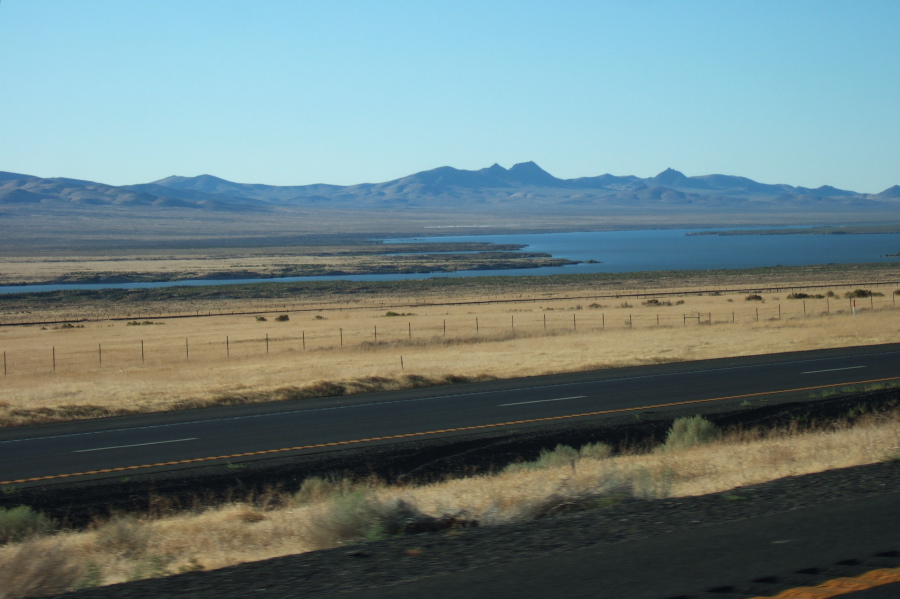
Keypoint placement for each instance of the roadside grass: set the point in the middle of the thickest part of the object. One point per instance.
(695, 459)
(109, 368)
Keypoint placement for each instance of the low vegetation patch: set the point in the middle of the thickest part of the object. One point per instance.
(856, 293)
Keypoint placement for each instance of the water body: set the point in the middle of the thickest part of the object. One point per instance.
(614, 251)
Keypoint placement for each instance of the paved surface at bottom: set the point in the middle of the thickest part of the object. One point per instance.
(735, 559)
(888, 591)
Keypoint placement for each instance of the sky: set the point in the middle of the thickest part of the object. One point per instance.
(293, 92)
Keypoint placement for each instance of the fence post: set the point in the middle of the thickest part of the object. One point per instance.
(54, 358)
(445, 327)
(603, 320)
(804, 307)
(342, 336)
(227, 347)
(779, 311)
(142, 351)
(409, 327)
(657, 320)
(4, 362)
(827, 305)
(376, 333)
(545, 322)
(187, 350)
(401, 362)
(304, 339)
(512, 322)
(757, 315)
(476, 325)
(100, 353)
(574, 324)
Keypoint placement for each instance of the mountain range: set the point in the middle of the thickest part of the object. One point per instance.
(523, 187)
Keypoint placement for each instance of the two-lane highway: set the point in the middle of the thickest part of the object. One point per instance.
(46, 454)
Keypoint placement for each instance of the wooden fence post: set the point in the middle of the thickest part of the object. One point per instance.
(142, 351)
(100, 353)
(54, 358)
(227, 347)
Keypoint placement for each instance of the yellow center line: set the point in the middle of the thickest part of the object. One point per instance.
(842, 586)
(435, 432)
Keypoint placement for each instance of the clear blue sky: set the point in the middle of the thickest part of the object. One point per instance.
(338, 91)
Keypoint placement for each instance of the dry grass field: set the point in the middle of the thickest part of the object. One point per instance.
(339, 345)
(326, 514)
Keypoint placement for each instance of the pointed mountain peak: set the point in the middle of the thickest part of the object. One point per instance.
(890, 192)
(495, 170)
(531, 174)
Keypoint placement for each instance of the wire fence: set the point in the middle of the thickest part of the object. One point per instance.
(393, 330)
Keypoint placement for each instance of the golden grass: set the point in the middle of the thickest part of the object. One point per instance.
(325, 515)
(196, 362)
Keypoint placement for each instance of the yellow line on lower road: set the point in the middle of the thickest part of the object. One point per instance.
(434, 432)
(842, 586)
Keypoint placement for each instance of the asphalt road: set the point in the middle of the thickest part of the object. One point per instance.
(186, 439)
(797, 549)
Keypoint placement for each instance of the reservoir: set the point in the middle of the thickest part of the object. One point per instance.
(615, 251)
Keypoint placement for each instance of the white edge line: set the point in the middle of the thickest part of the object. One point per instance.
(833, 370)
(522, 403)
(135, 445)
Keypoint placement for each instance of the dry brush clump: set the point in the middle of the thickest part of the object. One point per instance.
(696, 458)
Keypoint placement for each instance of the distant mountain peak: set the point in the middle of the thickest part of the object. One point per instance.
(531, 174)
(890, 192)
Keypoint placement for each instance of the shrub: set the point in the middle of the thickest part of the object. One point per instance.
(688, 432)
(37, 569)
(753, 297)
(319, 317)
(798, 296)
(282, 318)
(656, 302)
(862, 293)
(261, 319)
(19, 523)
(125, 536)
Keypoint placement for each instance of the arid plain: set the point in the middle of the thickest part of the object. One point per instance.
(149, 353)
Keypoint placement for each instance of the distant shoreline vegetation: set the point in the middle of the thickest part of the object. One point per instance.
(835, 230)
